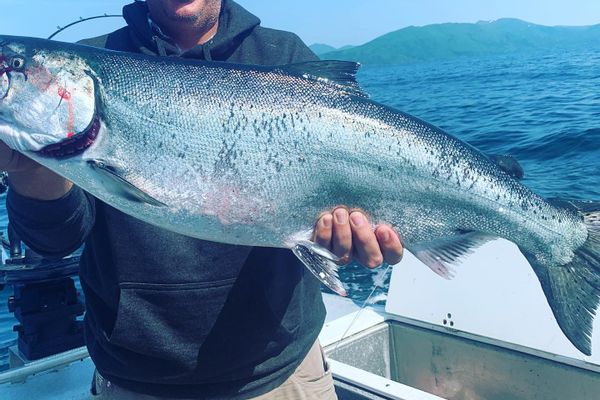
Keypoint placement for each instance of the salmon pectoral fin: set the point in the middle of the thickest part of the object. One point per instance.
(440, 254)
(321, 262)
(117, 185)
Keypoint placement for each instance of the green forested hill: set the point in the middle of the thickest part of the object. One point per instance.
(449, 40)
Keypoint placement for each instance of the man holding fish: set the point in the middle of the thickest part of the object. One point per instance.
(170, 316)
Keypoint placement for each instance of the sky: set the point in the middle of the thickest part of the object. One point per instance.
(334, 22)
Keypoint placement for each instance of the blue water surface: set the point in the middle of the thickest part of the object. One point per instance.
(542, 108)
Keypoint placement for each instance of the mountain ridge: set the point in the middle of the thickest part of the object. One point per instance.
(448, 40)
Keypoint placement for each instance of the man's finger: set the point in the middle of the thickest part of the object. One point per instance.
(389, 243)
(324, 230)
(364, 241)
(341, 242)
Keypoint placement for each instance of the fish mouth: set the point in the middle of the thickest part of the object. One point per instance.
(74, 145)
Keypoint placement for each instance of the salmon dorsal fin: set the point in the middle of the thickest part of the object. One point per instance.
(341, 74)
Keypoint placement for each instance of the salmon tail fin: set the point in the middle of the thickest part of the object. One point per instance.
(573, 289)
(321, 262)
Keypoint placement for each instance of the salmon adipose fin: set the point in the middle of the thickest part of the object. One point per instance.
(573, 289)
(321, 262)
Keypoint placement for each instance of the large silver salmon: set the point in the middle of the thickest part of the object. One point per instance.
(251, 155)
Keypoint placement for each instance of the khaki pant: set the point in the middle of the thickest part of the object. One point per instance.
(312, 380)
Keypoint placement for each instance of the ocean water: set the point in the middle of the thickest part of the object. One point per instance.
(542, 108)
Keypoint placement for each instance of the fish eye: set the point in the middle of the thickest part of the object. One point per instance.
(17, 63)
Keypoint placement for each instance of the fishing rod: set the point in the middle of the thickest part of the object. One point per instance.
(60, 29)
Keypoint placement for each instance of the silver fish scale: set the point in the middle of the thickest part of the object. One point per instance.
(260, 154)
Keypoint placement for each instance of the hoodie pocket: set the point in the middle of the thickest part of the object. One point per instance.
(168, 322)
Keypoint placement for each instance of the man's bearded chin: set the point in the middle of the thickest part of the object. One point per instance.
(205, 19)
(185, 18)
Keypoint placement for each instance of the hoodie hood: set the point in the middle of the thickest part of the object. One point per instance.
(235, 24)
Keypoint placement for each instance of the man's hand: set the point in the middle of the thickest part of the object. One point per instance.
(349, 235)
(29, 178)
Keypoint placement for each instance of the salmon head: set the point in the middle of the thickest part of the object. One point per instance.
(47, 98)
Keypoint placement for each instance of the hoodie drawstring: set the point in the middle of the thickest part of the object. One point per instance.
(206, 52)
(160, 45)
